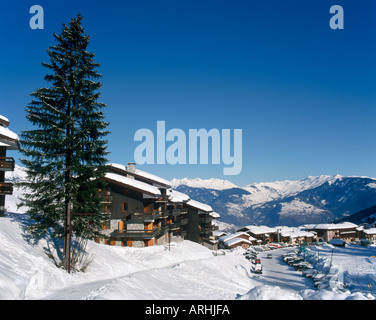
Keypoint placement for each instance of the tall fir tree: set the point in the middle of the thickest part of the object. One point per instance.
(66, 153)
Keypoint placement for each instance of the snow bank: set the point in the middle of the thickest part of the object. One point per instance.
(268, 292)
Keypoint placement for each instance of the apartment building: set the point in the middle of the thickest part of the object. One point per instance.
(8, 141)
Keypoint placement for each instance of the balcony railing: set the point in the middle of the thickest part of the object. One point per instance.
(6, 188)
(177, 212)
(147, 215)
(207, 230)
(204, 219)
(140, 234)
(7, 164)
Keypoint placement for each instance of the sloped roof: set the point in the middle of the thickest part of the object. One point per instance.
(142, 174)
(133, 184)
(331, 226)
(8, 138)
(200, 206)
(260, 229)
(177, 197)
(232, 236)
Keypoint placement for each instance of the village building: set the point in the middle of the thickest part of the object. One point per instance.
(262, 234)
(294, 235)
(8, 141)
(143, 211)
(368, 234)
(346, 231)
(236, 239)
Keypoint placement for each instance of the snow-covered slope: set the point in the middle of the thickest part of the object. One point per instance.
(268, 191)
(187, 271)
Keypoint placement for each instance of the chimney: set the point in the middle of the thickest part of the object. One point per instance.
(131, 166)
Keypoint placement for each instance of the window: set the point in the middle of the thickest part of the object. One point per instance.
(124, 207)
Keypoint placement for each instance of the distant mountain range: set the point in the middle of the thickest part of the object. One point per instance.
(292, 203)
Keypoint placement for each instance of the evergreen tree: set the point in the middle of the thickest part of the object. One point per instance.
(66, 153)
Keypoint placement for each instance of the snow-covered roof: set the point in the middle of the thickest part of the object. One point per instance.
(214, 215)
(200, 206)
(4, 118)
(260, 229)
(369, 231)
(143, 174)
(133, 184)
(217, 233)
(231, 236)
(331, 226)
(8, 139)
(295, 233)
(237, 240)
(176, 196)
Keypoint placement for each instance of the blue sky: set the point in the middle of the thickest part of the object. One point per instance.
(303, 94)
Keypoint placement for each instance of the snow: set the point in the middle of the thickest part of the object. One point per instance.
(260, 229)
(215, 215)
(143, 174)
(371, 185)
(8, 133)
(147, 188)
(213, 183)
(298, 207)
(235, 235)
(268, 191)
(369, 231)
(294, 232)
(176, 196)
(200, 206)
(4, 118)
(331, 226)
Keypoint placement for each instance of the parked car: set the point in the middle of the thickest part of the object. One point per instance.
(269, 256)
(309, 273)
(303, 266)
(290, 258)
(257, 261)
(258, 268)
(294, 261)
(288, 254)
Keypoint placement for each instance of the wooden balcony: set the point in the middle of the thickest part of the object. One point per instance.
(7, 164)
(6, 188)
(142, 216)
(140, 234)
(178, 212)
(204, 219)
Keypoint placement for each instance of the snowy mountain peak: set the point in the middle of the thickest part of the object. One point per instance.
(216, 184)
